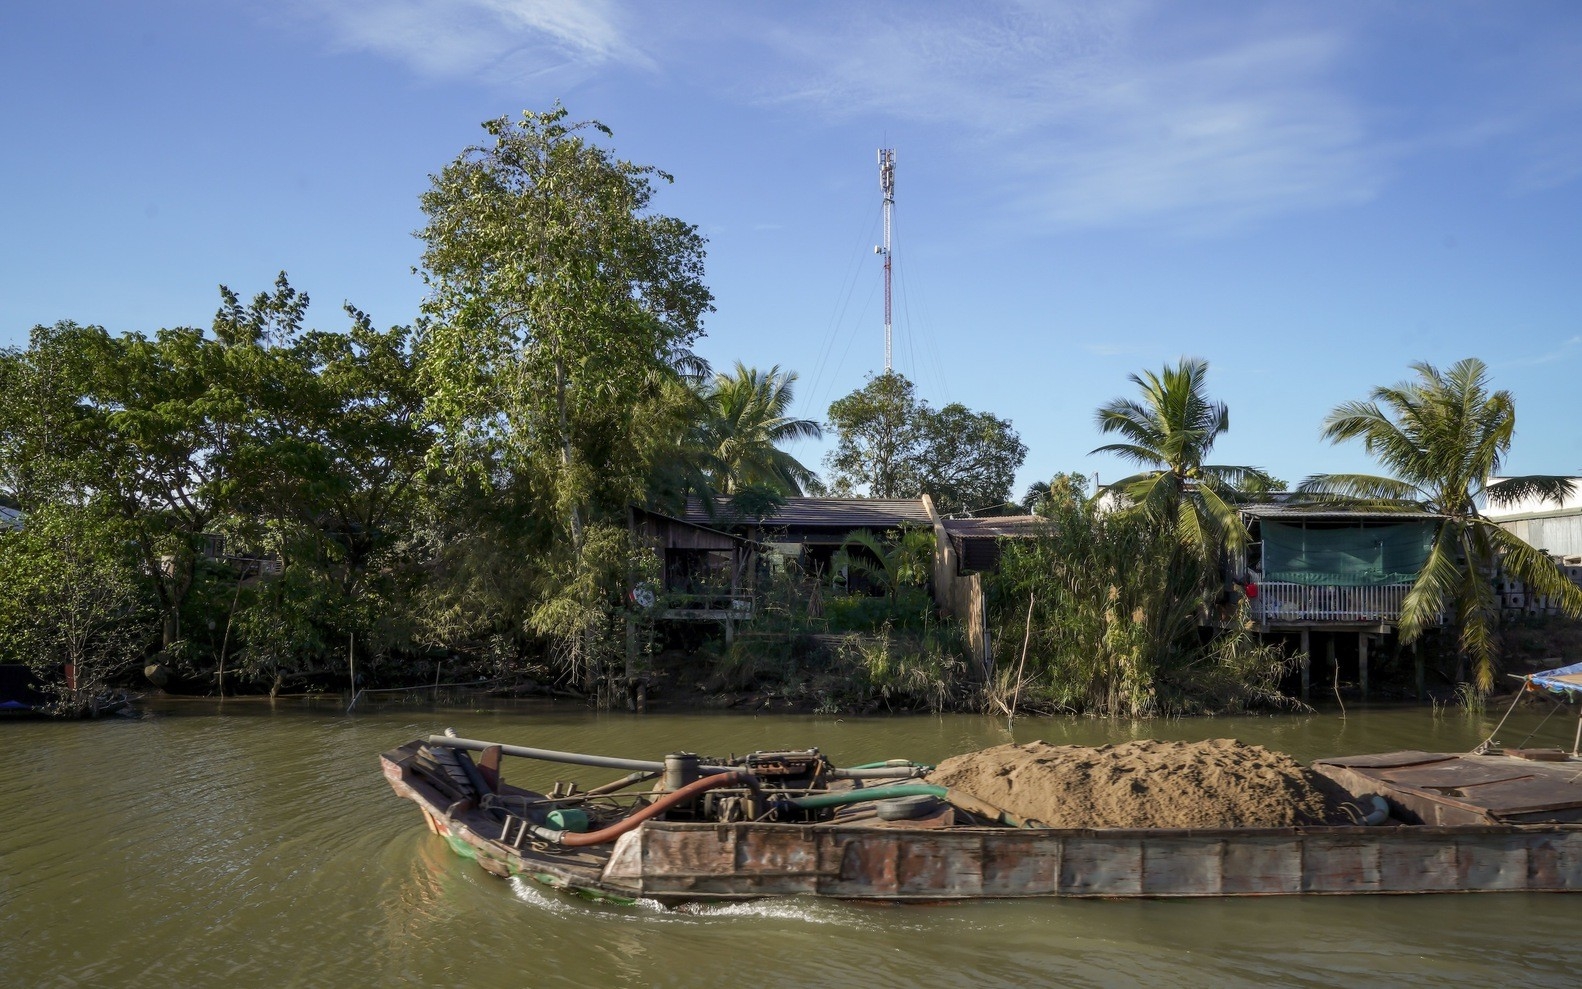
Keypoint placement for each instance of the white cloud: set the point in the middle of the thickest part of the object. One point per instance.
(1565, 350)
(491, 40)
(1099, 116)
(1193, 118)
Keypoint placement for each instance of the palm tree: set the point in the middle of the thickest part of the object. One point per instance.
(1443, 438)
(746, 422)
(1169, 432)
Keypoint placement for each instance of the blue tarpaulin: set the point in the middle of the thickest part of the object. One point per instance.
(1567, 678)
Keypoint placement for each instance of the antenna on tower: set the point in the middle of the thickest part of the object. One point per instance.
(887, 185)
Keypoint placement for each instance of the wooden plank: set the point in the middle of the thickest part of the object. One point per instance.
(1380, 760)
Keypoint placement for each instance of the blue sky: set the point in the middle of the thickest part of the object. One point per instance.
(1309, 196)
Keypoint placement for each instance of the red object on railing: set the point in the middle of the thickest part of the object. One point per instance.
(1252, 590)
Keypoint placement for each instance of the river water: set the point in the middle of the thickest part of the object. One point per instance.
(257, 844)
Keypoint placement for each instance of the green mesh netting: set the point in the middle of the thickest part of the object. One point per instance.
(1354, 556)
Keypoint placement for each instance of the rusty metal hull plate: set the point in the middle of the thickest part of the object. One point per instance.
(680, 861)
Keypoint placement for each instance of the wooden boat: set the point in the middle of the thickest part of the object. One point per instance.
(778, 823)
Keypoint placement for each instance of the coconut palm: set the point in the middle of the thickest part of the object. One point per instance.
(1443, 438)
(1170, 432)
(747, 420)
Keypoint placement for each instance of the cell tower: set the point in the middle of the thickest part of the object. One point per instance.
(887, 184)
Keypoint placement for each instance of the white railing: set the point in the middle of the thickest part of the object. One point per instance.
(1279, 602)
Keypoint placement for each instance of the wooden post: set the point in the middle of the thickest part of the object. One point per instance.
(631, 664)
(1307, 662)
(1329, 655)
(1362, 663)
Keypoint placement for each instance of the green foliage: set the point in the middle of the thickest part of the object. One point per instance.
(967, 460)
(877, 436)
(1059, 493)
(902, 559)
(559, 310)
(73, 595)
(893, 445)
(1170, 432)
(1444, 437)
(746, 418)
(1116, 607)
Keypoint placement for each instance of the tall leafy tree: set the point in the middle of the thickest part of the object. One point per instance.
(1443, 437)
(562, 310)
(968, 460)
(49, 436)
(891, 444)
(877, 437)
(558, 305)
(747, 419)
(1169, 432)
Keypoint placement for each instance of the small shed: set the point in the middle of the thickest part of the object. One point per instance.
(977, 541)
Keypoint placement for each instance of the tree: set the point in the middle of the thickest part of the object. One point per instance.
(1170, 432)
(558, 304)
(561, 312)
(878, 436)
(747, 418)
(1064, 488)
(967, 460)
(893, 445)
(49, 449)
(1444, 437)
(74, 599)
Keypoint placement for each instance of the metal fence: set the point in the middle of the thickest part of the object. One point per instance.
(1279, 602)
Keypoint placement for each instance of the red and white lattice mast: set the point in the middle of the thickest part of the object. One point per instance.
(887, 184)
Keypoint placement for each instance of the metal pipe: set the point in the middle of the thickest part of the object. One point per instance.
(617, 785)
(574, 758)
(878, 773)
(653, 766)
(572, 840)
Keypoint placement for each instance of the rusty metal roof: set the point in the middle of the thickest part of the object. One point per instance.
(994, 527)
(1334, 512)
(822, 513)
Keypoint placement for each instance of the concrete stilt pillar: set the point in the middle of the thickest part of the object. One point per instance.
(1362, 663)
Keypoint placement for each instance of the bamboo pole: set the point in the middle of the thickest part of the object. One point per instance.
(1027, 636)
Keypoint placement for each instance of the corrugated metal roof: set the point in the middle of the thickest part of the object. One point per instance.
(1014, 526)
(1327, 512)
(830, 513)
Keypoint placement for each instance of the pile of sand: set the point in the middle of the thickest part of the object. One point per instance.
(1219, 783)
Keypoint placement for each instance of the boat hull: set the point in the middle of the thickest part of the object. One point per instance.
(674, 862)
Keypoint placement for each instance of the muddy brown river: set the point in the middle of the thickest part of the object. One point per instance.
(258, 845)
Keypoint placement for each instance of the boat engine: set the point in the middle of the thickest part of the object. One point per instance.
(796, 769)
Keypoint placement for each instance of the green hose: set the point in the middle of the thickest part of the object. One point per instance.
(840, 798)
(892, 764)
(956, 798)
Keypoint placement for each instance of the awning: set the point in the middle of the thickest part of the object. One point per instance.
(1562, 679)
